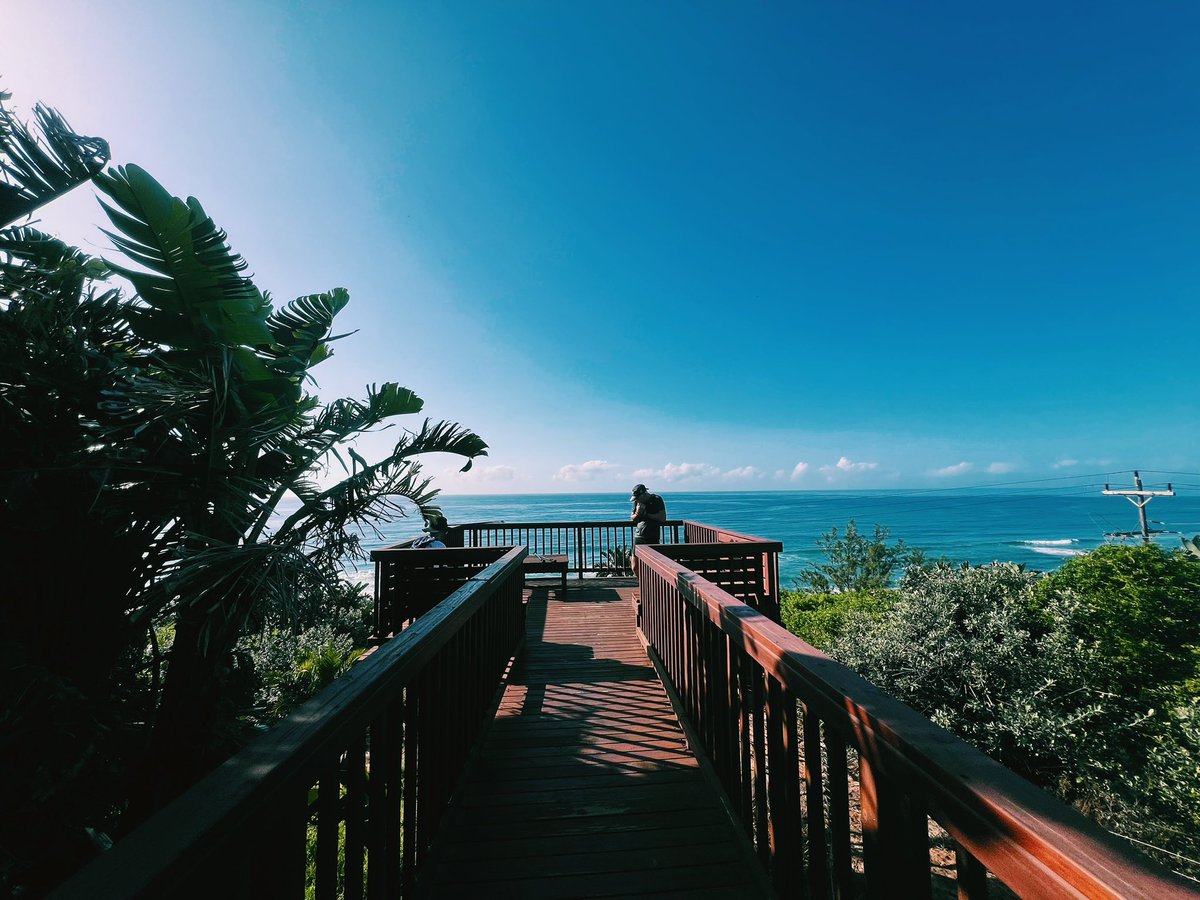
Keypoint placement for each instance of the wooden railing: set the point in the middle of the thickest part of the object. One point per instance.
(785, 728)
(409, 582)
(585, 544)
(745, 566)
(343, 796)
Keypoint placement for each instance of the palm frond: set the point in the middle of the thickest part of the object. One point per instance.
(190, 280)
(38, 268)
(328, 523)
(34, 169)
(301, 330)
(345, 418)
(441, 437)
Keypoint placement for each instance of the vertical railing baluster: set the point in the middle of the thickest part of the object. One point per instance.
(355, 811)
(329, 790)
(970, 875)
(818, 862)
(759, 736)
(391, 772)
(746, 787)
(376, 818)
(895, 836)
(733, 719)
(839, 814)
(408, 837)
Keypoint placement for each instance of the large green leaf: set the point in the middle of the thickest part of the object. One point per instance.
(34, 170)
(301, 330)
(189, 278)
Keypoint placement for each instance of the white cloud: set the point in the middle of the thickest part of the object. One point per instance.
(1000, 468)
(744, 472)
(584, 471)
(1066, 463)
(844, 465)
(798, 471)
(488, 474)
(672, 472)
(956, 469)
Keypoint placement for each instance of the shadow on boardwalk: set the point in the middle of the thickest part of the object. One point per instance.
(584, 785)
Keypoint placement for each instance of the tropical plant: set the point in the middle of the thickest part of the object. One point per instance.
(856, 562)
(957, 645)
(614, 561)
(65, 681)
(146, 446)
(1082, 680)
(38, 166)
(227, 431)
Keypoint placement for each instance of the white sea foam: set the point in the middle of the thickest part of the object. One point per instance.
(1056, 551)
(1061, 543)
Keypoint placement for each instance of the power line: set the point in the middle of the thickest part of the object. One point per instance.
(1141, 499)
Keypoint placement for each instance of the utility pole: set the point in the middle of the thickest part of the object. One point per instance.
(1139, 498)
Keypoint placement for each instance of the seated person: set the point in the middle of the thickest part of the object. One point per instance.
(434, 536)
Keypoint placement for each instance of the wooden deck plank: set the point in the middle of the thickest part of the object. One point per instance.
(584, 785)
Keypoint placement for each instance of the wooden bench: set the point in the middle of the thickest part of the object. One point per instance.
(538, 563)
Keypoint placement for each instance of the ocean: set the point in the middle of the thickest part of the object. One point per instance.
(1039, 530)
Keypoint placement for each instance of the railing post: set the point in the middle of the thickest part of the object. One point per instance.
(895, 837)
(818, 865)
(355, 807)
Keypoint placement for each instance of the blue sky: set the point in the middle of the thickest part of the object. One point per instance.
(770, 246)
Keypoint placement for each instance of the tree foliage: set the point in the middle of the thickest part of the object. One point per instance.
(856, 562)
(1138, 610)
(1082, 680)
(147, 442)
(821, 618)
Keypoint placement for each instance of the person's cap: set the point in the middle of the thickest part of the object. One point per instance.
(638, 490)
(436, 523)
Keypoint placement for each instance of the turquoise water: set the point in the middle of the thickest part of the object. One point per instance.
(1040, 530)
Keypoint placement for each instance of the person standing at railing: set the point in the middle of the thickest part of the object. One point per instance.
(649, 513)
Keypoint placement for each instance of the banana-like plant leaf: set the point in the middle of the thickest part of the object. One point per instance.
(301, 330)
(441, 437)
(36, 169)
(192, 283)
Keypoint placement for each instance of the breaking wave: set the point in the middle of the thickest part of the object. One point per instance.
(1058, 551)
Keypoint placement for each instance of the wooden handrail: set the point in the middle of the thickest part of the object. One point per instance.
(409, 713)
(747, 684)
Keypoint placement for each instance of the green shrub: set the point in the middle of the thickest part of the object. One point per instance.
(821, 618)
(957, 646)
(1138, 610)
(856, 562)
(290, 668)
(614, 561)
(1082, 681)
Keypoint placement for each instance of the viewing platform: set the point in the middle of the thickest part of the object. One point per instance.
(517, 735)
(584, 784)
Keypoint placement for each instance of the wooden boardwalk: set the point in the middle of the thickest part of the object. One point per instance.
(584, 785)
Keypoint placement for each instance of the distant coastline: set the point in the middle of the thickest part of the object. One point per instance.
(1040, 530)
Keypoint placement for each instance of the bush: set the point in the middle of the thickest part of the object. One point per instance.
(1082, 681)
(291, 664)
(957, 645)
(857, 562)
(821, 618)
(1138, 610)
(290, 668)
